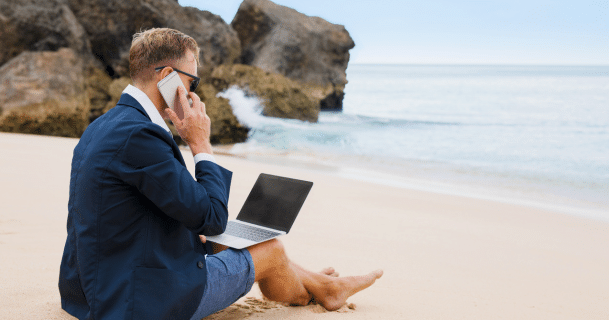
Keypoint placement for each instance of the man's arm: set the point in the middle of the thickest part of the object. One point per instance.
(149, 164)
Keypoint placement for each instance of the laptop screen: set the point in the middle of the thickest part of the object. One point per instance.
(274, 202)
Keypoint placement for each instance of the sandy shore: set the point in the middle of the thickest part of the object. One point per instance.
(445, 257)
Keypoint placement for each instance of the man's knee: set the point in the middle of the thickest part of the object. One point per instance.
(269, 258)
(275, 251)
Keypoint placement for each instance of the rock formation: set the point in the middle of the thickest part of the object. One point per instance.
(65, 62)
(99, 34)
(110, 25)
(44, 93)
(281, 96)
(39, 25)
(281, 40)
(36, 77)
(104, 28)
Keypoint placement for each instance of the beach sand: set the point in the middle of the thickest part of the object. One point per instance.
(444, 257)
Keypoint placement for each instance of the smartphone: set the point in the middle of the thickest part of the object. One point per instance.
(168, 87)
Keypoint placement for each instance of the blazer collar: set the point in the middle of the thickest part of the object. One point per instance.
(134, 97)
(128, 100)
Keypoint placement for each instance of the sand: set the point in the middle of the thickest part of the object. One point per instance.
(444, 257)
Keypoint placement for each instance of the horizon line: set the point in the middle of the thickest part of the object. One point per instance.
(478, 64)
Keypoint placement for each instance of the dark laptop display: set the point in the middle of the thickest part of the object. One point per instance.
(275, 201)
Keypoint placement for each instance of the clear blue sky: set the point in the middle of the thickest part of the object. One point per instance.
(558, 32)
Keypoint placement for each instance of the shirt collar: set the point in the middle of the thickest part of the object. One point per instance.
(148, 106)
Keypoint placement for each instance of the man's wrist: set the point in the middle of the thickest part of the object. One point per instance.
(201, 148)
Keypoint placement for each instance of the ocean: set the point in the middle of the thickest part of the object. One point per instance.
(536, 135)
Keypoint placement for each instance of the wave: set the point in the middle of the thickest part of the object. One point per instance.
(248, 110)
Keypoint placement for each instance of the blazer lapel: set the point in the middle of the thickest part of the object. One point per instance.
(128, 100)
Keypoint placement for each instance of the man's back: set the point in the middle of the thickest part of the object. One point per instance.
(129, 250)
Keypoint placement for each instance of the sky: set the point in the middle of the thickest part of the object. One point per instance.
(533, 32)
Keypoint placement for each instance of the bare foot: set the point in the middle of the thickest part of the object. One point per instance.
(342, 288)
(329, 271)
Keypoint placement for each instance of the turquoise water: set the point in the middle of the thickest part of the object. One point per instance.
(535, 134)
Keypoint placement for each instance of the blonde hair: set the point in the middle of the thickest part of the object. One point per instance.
(156, 47)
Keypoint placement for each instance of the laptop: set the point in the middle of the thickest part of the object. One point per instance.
(268, 212)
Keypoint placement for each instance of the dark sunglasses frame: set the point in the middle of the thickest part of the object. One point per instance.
(193, 85)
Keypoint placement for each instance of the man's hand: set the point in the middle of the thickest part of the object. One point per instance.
(215, 247)
(195, 128)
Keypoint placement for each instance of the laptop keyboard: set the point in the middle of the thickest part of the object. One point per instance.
(249, 232)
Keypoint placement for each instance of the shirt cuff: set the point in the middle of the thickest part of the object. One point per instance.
(204, 156)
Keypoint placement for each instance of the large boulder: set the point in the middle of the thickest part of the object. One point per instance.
(103, 29)
(35, 77)
(64, 64)
(39, 25)
(281, 97)
(110, 25)
(99, 32)
(44, 93)
(281, 40)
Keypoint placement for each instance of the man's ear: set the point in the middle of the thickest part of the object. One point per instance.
(165, 72)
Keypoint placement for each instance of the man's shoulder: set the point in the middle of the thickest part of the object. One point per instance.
(121, 127)
(122, 115)
(121, 120)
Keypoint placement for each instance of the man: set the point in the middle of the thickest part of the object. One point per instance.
(137, 219)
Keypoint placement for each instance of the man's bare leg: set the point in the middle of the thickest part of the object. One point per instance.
(281, 280)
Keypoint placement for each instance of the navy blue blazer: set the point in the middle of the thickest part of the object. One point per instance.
(134, 216)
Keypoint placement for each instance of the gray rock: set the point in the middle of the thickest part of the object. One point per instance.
(110, 25)
(44, 93)
(281, 40)
(36, 77)
(37, 25)
(104, 28)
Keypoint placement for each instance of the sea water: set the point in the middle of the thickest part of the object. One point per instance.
(532, 134)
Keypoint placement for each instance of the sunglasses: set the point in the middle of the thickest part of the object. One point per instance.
(193, 84)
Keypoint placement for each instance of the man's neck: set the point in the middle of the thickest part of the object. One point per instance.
(154, 95)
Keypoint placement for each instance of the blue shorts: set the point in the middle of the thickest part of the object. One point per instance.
(230, 275)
